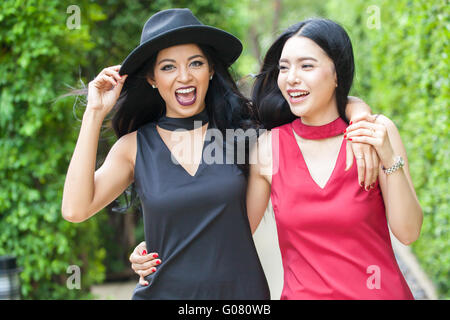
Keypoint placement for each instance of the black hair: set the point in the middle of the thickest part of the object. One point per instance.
(139, 103)
(272, 107)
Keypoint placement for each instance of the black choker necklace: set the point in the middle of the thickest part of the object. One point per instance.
(173, 124)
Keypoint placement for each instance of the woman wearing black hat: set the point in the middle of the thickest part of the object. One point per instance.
(177, 78)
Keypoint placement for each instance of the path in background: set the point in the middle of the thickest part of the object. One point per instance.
(266, 241)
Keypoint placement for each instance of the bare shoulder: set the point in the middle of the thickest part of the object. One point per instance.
(126, 146)
(382, 119)
(389, 125)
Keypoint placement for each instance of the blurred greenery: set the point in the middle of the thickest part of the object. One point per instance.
(402, 72)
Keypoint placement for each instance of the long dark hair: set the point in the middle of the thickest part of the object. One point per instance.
(273, 109)
(139, 104)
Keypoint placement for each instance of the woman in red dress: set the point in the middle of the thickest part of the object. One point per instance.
(333, 233)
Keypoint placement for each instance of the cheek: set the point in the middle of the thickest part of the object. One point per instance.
(320, 81)
(203, 81)
(281, 81)
(163, 80)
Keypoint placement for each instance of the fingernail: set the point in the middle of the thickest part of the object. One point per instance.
(155, 255)
(350, 139)
(153, 269)
(158, 261)
(345, 136)
(144, 252)
(366, 188)
(351, 122)
(146, 284)
(345, 130)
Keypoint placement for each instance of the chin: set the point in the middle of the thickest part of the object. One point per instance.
(188, 111)
(299, 110)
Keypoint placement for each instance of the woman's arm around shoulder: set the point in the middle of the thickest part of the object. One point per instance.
(403, 210)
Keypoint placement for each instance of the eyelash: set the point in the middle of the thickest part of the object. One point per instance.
(197, 62)
(303, 66)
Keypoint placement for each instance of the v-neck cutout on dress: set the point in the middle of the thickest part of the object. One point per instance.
(166, 147)
(332, 172)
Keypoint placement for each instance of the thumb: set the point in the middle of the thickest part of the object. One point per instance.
(142, 281)
(349, 155)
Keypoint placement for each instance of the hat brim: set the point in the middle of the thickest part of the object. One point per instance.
(228, 47)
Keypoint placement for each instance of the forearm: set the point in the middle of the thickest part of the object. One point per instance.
(79, 184)
(403, 209)
(258, 194)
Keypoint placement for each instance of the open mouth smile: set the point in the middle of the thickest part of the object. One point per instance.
(296, 96)
(186, 96)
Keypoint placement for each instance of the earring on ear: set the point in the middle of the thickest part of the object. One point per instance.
(153, 86)
(210, 78)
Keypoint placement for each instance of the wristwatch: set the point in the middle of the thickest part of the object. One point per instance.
(399, 163)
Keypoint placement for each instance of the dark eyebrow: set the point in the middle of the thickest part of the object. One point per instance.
(196, 56)
(166, 60)
(190, 58)
(300, 59)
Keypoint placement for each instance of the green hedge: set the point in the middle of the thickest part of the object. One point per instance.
(402, 72)
(39, 54)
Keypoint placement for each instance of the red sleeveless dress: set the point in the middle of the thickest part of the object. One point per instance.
(334, 241)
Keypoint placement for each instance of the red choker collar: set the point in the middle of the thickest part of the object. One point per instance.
(328, 130)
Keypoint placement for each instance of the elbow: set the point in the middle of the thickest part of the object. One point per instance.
(408, 242)
(410, 238)
(409, 234)
(70, 216)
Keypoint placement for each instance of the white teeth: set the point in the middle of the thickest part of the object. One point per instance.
(185, 90)
(298, 93)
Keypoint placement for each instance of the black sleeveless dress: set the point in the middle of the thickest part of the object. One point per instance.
(197, 224)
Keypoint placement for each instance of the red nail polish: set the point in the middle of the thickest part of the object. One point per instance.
(350, 139)
(351, 122)
(345, 136)
(144, 252)
(158, 261)
(153, 269)
(155, 255)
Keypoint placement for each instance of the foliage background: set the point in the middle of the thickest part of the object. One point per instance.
(402, 72)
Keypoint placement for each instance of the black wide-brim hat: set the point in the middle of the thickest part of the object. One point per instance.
(179, 26)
